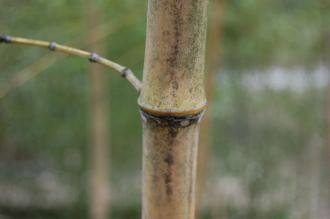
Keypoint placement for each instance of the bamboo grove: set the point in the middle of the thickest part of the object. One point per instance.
(171, 101)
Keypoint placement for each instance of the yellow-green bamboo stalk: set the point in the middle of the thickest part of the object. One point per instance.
(172, 101)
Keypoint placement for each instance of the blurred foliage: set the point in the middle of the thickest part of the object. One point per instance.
(44, 125)
(261, 33)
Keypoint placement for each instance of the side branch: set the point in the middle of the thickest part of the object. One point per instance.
(92, 57)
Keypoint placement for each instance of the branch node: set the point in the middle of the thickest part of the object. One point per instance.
(125, 72)
(52, 46)
(5, 39)
(94, 57)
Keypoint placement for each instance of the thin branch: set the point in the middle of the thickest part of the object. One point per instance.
(38, 66)
(92, 57)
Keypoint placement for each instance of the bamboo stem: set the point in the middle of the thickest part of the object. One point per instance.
(99, 207)
(93, 57)
(172, 101)
(205, 141)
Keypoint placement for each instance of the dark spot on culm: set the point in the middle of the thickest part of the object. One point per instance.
(173, 131)
(177, 24)
(168, 181)
(175, 85)
(167, 178)
(169, 160)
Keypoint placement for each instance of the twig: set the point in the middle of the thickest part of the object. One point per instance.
(38, 66)
(92, 57)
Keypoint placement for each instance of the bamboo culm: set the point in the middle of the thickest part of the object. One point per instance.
(172, 102)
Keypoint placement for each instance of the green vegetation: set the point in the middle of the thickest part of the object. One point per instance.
(269, 143)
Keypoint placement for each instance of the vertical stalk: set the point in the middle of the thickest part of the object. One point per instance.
(212, 64)
(315, 176)
(326, 42)
(172, 101)
(99, 128)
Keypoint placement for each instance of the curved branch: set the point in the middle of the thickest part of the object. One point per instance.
(92, 57)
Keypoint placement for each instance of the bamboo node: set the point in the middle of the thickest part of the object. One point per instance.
(52, 46)
(5, 39)
(172, 121)
(126, 72)
(94, 57)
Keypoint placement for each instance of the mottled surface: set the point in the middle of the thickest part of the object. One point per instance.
(174, 61)
(172, 91)
(169, 168)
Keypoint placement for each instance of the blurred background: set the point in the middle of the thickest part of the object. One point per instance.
(69, 131)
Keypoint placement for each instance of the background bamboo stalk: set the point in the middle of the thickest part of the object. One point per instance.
(326, 42)
(172, 100)
(212, 64)
(99, 190)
